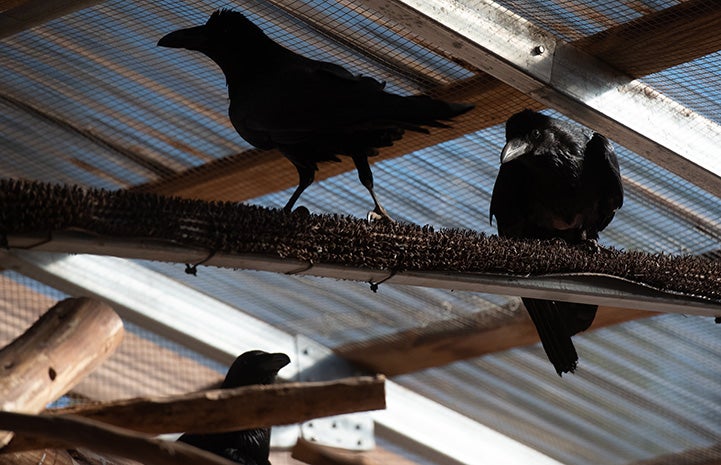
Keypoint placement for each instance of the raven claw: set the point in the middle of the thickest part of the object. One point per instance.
(301, 212)
(373, 215)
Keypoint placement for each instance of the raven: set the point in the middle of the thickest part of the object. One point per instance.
(249, 447)
(556, 181)
(310, 110)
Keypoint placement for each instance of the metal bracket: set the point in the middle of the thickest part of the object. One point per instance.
(352, 431)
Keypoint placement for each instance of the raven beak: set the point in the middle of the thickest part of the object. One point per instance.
(274, 361)
(192, 38)
(513, 149)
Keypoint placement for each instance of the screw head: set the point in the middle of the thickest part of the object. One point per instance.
(539, 50)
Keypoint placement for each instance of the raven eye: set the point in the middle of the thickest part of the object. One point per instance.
(536, 134)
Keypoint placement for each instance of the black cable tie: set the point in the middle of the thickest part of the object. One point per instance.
(374, 285)
(193, 269)
(301, 269)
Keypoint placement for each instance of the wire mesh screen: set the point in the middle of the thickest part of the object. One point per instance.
(693, 84)
(97, 79)
(654, 379)
(144, 364)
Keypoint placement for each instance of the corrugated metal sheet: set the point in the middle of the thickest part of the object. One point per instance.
(90, 99)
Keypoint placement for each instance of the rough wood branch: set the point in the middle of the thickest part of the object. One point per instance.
(230, 409)
(77, 431)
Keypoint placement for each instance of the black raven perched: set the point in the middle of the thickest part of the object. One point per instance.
(556, 180)
(249, 447)
(310, 110)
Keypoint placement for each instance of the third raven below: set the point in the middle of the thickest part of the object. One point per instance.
(556, 180)
(310, 110)
(252, 446)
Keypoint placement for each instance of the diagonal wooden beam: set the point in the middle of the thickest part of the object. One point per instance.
(447, 342)
(649, 44)
(19, 15)
(660, 40)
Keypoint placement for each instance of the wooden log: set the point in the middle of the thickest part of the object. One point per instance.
(137, 368)
(51, 357)
(228, 409)
(75, 431)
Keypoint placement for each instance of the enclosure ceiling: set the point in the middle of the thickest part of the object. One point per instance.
(86, 98)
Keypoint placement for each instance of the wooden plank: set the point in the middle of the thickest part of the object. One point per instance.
(48, 359)
(638, 48)
(446, 342)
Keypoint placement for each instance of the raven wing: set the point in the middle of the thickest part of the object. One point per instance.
(508, 200)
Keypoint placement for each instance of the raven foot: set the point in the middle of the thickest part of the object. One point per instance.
(301, 212)
(590, 245)
(374, 215)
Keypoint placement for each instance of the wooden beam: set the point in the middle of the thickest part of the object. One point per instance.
(660, 40)
(19, 15)
(54, 354)
(450, 341)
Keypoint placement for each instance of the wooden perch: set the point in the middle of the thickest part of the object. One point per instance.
(315, 454)
(51, 357)
(228, 409)
(75, 431)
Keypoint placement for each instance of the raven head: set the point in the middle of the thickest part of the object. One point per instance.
(525, 131)
(224, 30)
(254, 367)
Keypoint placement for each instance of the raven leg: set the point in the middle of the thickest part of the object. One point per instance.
(306, 175)
(366, 178)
